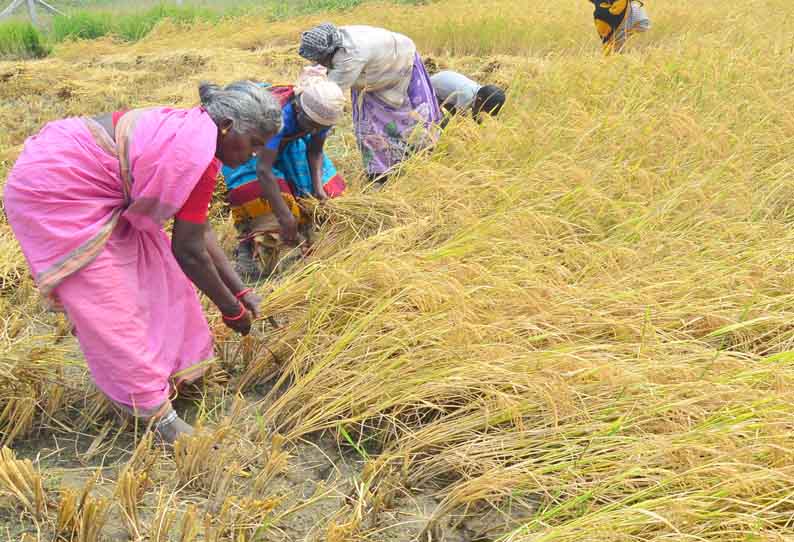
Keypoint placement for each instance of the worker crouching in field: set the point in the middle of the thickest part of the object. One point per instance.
(264, 191)
(616, 20)
(395, 112)
(88, 199)
(457, 94)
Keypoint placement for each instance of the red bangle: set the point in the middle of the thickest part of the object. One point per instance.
(246, 291)
(235, 318)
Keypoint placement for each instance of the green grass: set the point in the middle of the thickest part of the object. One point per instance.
(21, 40)
(85, 25)
(284, 10)
(132, 26)
(101, 18)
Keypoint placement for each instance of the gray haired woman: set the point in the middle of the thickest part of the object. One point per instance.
(88, 199)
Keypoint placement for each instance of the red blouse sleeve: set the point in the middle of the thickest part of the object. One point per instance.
(197, 206)
(117, 115)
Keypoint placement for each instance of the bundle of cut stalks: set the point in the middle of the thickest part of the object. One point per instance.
(21, 484)
(31, 382)
(81, 516)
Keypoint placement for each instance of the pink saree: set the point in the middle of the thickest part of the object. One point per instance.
(89, 215)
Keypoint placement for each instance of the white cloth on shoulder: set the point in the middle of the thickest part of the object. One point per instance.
(374, 60)
(636, 20)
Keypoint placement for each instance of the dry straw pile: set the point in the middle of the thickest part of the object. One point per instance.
(573, 324)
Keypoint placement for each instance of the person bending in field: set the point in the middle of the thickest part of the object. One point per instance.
(457, 94)
(616, 20)
(88, 199)
(263, 192)
(395, 112)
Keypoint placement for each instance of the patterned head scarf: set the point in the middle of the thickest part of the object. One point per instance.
(320, 42)
(321, 99)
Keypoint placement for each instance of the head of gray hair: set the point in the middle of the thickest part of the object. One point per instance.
(250, 107)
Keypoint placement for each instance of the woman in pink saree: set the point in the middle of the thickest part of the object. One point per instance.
(88, 199)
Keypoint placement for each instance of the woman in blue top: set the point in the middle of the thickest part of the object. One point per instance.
(264, 192)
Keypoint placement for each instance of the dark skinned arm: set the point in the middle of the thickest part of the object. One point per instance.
(227, 273)
(272, 192)
(315, 157)
(225, 270)
(189, 245)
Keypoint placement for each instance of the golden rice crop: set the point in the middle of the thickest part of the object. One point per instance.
(573, 323)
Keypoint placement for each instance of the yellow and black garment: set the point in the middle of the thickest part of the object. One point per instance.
(609, 15)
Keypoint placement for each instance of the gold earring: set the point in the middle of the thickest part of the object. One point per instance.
(224, 131)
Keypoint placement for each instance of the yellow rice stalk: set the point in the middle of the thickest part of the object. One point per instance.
(361, 215)
(161, 525)
(81, 517)
(20, 413)
(338, 531)
(21, 484)
(276, 463)
(259, 370)
(93, 517)
(242, 520)
(164, 519)
(67, 511)
(130, 489)
(200, 464)
(97, 407)
(193, 456)
(145, 455)
(30, 379)
(55, 400)
(190, 525)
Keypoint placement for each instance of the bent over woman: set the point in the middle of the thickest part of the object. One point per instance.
(264, 192)
(395, 112)
(616, 20)
(88, 198)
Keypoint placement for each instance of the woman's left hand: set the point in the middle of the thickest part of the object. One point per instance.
(252, 301)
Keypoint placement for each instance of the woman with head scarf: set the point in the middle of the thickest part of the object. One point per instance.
(88, 199)
(264, 191)
(395, 111)
(616, 20)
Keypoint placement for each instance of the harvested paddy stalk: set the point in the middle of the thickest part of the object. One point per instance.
(130, 489)
(81, 516)
(276, 462)
(241, 520)
(31, 381)
(21, 484)
(203, 463)
(163, 527)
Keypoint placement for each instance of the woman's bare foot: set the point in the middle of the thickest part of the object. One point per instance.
(170, 427)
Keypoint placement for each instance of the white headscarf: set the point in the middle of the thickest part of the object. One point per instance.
(320, 98)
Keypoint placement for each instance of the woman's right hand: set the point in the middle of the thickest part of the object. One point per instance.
(319, 193)
(289, 229)
(241, 325)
